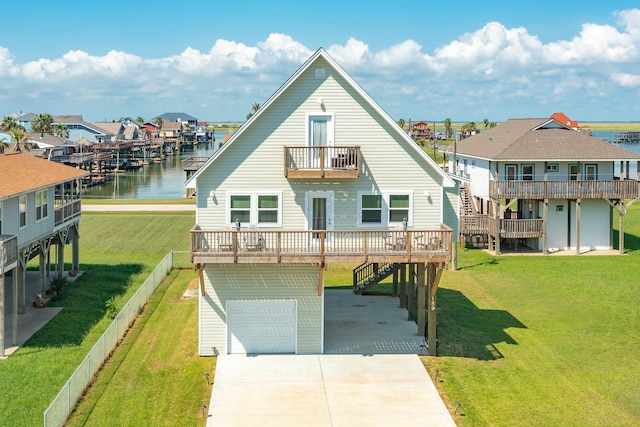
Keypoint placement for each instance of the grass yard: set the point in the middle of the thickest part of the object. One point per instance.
(156, 376)
(542, 340)
(523, 340)
(117, 253)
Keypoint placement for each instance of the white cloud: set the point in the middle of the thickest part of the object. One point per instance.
(626, 79)
(490, 69)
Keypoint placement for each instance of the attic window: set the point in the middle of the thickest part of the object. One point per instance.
(320, 73)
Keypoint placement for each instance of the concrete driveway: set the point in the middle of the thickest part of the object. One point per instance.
(369, 375)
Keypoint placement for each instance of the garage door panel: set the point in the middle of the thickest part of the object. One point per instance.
(261, 326)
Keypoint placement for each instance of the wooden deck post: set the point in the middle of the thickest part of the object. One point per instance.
(403, 285)
(621, 211)
(545, 216)
(411, 303)
(422, 289)
(433, 280)
(394, 291)
(497, 212)
(578, 203)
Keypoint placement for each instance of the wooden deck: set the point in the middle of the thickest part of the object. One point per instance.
(539, 190)
(322, 162)
(266, 246)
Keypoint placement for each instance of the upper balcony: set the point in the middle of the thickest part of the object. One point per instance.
(66, 210)
(322, 162)
(8, 253)
(614, 189)
(268, 246)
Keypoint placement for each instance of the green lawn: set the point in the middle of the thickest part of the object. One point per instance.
(117, 253)
(523, 340)
(542, 340)
(156, 367)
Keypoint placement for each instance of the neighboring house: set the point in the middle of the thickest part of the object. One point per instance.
(39, 209)
(420, 130)
(320, 173)
(25, 120)
(180, 117)
(573, 124)
(78, 128)
(170, 130)
(539, 185)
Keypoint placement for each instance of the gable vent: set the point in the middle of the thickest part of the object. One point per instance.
(320, 73)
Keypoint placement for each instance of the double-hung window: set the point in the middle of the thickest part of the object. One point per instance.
(22, 203)
(371, 212)
(42, 204)
(240, 208)
(386, 208)
(263, 209)
(399, 205)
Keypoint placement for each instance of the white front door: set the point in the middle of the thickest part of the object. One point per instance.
(319, 211)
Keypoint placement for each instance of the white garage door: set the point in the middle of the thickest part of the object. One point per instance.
(261, 326)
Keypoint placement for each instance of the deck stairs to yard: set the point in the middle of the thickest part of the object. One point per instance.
(367, 275)
(467, 206)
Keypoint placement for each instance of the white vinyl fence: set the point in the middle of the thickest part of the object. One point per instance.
(58, 411)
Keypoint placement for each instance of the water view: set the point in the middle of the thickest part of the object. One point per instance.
(161, 180)
(165, 179)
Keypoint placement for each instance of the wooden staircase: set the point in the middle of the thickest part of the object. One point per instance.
(367, 275)
(467, 207)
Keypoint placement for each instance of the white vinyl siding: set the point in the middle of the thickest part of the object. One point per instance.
(255, 162)
(297, 282)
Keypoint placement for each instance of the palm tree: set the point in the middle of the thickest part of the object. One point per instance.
(8, 122)
(401, 123)
(447, 127)
(254, 108)
(140, 120)
(159, 123)
(61, 131)
(485, 122)
(43, 123)
(19, 139)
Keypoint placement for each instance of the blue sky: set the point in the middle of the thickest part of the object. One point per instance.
(465, 60)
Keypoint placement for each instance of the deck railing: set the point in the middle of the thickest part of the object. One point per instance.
(67, 211)
(8, 252)
(474, 224)
(615, 189)
(321, 161)
(517, 228)
(266, 246)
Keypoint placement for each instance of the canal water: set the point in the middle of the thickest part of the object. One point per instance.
(161, 180)
(165, 180)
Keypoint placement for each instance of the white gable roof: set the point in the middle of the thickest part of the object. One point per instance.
(447, 180)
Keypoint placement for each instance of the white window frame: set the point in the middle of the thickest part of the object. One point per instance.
(254, 210)
(386, 208)
(42, 205)
(22, 211)
(360, 209)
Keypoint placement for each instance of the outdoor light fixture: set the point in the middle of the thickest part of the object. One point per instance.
(320, 101)
(204, 408)
(404, 224)
(237, 224)
(207, 377)
(436, 372)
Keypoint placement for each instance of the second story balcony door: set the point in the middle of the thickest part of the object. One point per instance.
(320, 134)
